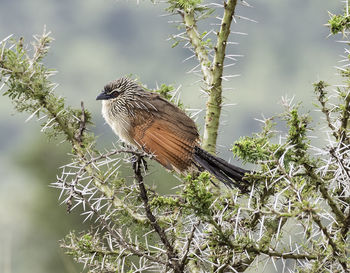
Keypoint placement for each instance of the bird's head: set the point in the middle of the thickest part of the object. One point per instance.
(114, 89)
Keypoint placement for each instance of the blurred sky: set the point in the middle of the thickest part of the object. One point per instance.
(100, 40)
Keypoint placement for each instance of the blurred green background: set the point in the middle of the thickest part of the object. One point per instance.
(99, 40)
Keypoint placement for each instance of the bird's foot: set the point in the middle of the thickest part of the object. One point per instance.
(138, 161)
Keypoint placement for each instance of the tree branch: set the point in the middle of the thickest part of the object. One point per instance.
(345, 119)
(212, 72)
(171, 252)
(336, 251)
(213, 109)
(320, 89)
(196, 41)
(324, 191)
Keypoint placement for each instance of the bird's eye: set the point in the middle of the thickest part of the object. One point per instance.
(114, 93)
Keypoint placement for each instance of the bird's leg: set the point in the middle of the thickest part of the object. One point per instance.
(144, 163)
(134, 162)
(135, 159)
(138, 161)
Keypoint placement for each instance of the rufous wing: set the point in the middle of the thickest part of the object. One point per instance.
(170, 144)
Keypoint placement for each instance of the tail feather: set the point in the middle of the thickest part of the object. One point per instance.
(230, 175)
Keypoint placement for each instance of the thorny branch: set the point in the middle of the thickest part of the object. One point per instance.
(212, 69)
(324, 191)
(82, 122)
(321, 96)
(335, 249)
(342, 133)
(84, 168)
(197, 43)
(309, 192)
(106, 224)
(188, 245)
(171, 252)
(214, 102)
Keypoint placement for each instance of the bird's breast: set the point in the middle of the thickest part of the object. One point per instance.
(119, 122)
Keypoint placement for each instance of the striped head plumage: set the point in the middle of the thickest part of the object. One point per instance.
(124, 95)
(123, 86)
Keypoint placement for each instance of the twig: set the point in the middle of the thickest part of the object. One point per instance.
(320, 88)
(336, 251)
(171, 252)
(294, 256)
(324, 191)
(196, 41)
(344, 121)
(116, 236)
(117, 202)
(213, 111)
(82, 124)
(188, 245)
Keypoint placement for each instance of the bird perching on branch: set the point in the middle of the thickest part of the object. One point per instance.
(150, 123)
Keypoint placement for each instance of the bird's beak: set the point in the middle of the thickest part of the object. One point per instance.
(103, 96)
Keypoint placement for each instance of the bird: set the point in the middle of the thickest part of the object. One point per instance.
(150, 123)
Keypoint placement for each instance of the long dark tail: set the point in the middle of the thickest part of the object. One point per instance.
(230, 175)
